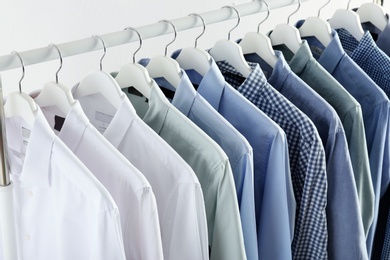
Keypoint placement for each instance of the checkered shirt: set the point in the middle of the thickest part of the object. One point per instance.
(307, 159)
(386, 243)
(369, 57)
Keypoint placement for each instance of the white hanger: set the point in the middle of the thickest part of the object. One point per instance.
(19, 103)
(195, 58)
(287, 34)
(230, 51)
(54, 93)
(100, 82)
(373, 13)
(317, 27)
(259, 43)
(165, 67)
(134, 74)
(348, 20)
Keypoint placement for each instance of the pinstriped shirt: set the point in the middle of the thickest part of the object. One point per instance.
(307, 159)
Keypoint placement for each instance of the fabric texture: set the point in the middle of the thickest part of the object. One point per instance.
(349, 111)
(369, 57)
(274, 197)
(61, 210)
(177, 189)
(210, 164)
(344, 241)
(307, 159)
(375, 107)
(130, 190)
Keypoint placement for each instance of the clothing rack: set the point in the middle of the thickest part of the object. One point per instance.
(44, 54)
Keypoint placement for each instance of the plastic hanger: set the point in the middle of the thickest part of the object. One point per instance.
(165, 67)
(287, 34)
(134, 74)
(317, 27)
(195, 58)
(259, 43)
(100, 82)
(348, 20)
(19, 103)
(373, 13)
(230, 51)
(54, 93)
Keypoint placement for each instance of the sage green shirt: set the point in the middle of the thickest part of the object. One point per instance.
(348, 109)
(210, 164)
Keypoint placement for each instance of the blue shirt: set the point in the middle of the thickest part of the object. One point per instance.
(274, 197)
(236, 147)
(344, 241)
(307, 159)
(376, 112)
(369, 57)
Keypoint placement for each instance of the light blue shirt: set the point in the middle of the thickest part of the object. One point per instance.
(234, 144)
(345, 241)
(274, 197)
(376, 112)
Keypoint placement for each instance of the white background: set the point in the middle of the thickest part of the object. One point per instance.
(30, 24)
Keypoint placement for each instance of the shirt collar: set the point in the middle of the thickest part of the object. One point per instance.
(332, 54)
(280, 71)
(158, 108)
(213, 83)
(301, 58)
(36, 167)
(73, 129)
(121, 122)
(185, 95)
(256, 78)
(383, 37)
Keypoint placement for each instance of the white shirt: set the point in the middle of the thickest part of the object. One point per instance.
(61, 210)
(130, 190)
(178, 193)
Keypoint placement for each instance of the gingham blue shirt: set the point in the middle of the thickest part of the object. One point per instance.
(376, 113)
(381, 38)
(307, 159)
(386, 244)
(274, 196)
(344, 241)
(369, 57)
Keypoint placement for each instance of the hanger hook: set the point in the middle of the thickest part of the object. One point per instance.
(349, 2)
(175, 33)
(268, 12)
(238, 18)
(204, 27)
(23, 70)
(299, 7)
(104, 48)
(140, 41)
(322, 7)
(59, 53)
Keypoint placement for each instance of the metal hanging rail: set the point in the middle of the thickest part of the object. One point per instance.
(44, 54)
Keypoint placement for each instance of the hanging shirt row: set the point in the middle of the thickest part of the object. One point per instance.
(270, 147)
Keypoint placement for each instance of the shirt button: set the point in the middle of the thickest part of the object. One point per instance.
(27, 237)
(30, 193)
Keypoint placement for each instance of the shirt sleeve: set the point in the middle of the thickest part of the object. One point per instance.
(356, 138)
(276, 203)
(246, 199)
(345, 241)
(108, 241)
(184, 224)
(142, 231)
(224, 222)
